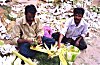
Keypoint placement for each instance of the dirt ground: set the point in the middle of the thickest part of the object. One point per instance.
(90, 56)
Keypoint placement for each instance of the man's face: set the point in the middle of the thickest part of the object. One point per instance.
(30, 17)
(78, 17)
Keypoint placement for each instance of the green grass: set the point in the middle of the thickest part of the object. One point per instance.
(44, 60)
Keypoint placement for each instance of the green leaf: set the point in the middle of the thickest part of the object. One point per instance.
(1, 42)
(73, 57)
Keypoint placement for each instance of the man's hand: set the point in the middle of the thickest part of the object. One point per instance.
(59, 41)
(30, 41)
(39, 40)
(8, 42)
(59, 45)
(77, 43)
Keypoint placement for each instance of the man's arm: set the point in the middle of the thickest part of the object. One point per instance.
(39, 31)
(24, 40)
(77, 42)
(63, 32)
(39, 39)
(16, 37)
(85, 30)
(60, 39)
(84, 33)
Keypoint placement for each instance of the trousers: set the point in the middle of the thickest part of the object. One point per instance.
(82, 43)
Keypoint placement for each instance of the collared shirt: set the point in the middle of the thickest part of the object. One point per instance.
(72, 31)
(23, 30)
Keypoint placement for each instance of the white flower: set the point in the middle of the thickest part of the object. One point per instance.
(3, 36)
(17, 61)
(11, 58)
(7, 21)
(4, 59)
(13, 15)
(7, 48)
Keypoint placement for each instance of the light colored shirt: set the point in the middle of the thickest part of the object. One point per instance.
(28, 32)
(72, 31)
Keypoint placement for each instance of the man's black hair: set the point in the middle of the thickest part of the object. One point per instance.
(30, 9)
(79, 11)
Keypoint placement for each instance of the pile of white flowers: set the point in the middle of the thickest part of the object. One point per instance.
(7, 48)
(3, 32)
(6, 56)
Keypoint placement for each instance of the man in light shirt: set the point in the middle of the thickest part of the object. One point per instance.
(27, 29)
(74, 31)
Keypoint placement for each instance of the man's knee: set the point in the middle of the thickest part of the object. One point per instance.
(82, 47)
(56, 36)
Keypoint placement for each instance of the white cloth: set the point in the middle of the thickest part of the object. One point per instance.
(72, 31)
